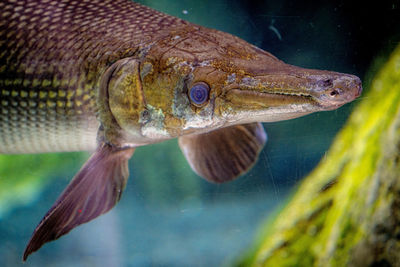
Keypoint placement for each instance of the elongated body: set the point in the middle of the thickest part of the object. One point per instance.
(108, 76)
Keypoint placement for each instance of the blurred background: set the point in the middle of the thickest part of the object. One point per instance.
(168, 216)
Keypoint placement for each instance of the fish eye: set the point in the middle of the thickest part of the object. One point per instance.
(199, 93)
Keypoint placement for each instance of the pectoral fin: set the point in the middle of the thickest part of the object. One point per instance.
(95, 189)
(222, 155)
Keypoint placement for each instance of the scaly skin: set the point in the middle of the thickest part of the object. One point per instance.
(52, 54)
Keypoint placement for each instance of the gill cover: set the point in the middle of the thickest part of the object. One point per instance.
(121, 102)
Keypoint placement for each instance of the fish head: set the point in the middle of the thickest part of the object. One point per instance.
(197, 80)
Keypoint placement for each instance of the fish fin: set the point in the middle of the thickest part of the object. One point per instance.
(94, 190)
(224, 154)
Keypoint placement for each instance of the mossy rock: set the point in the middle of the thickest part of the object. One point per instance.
(347, 211)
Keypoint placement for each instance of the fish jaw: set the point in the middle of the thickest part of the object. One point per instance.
(286, 95)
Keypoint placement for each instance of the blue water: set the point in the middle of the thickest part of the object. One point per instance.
(137, 233)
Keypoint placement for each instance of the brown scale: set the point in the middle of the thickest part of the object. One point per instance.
(52, 54)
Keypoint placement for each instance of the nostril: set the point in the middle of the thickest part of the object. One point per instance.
(326, 83)
(334, 93)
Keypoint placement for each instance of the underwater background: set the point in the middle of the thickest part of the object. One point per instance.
(168, 216)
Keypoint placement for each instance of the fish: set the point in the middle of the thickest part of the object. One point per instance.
(113, 75)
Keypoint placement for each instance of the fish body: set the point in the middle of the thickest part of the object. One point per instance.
(109, 76)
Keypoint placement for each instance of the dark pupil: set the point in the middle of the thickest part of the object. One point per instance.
(199, 94)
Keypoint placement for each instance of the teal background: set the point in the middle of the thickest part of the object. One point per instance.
(168, 216)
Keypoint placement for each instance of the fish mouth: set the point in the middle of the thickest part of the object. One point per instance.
(323, 89)
(255, 99)
(247, 106)
(314, 96)
(268, 99)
